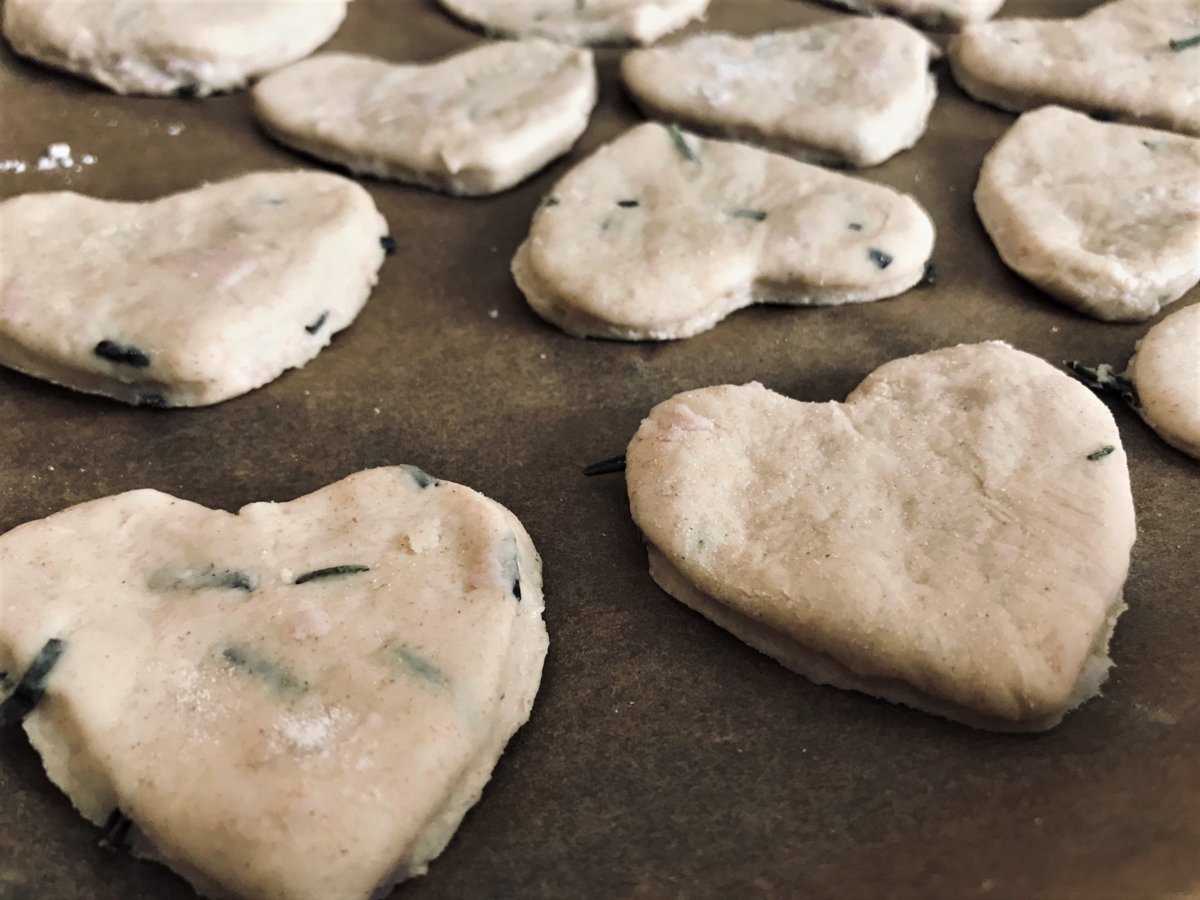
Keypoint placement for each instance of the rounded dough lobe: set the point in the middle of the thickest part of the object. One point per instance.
(1104, 217)
(935, 15)
(168, 46)
(187, 300)
(660, 235)
(475, 123)
(854, 92)
(579, 21)
(940, 540)
(1117, 59)
(1166, 372)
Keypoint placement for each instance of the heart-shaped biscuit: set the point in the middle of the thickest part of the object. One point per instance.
(936, 15)
(187, 300)
(300, 701)
(954, 537)
(1134, 60)
(853, 92)
(477, 122)
(169, 46)
(578, 21)
(1111, 228)
(660, 235)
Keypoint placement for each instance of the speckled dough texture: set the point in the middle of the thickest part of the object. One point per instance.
(165, 46)
(936, 15)
(930, 541)
(1116, 59)
(300, 701)
(1166, 372)
(854, 92)
(474, 123)
(1111, 228)
(661, 234)
(187, 300)
(579, 21)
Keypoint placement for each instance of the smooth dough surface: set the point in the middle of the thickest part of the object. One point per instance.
(1117, 59)
(271, 732)
(165, 46)
(474, 123)
(1165, 369)
(190, 299)
(936, 15)
(661, 234)
(579, 21)
(1111, 228)
(854, 92)
(940, 539)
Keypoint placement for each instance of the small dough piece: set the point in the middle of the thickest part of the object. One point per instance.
(1117, 59)
(853, 92)
(1165, 369)
(942, 539)
(300, 701)
(475, 123)
(579, 21)
(934, 15)
(190, 299)
(168, 46)
(1104, 217)
(660, 235)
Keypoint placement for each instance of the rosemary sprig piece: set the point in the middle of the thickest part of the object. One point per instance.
(1184, 43)
(114, 833)
(1103, 379)
(315, 326)
(125, 354)
(388, 243)
(32, 686)
(609, 466)
(1101, 453)
(681, 144)
(272, 675)
(331, 572)
(755, 215)
(881, 259)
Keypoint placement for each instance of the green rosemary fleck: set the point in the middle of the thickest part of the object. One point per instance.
(1102, 452)
(681, 144)
(755, 215)
(1103, 379)
(331, 572)
(1185, 43)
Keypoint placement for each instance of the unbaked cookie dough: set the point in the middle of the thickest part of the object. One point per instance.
(190, 299)
(1166, 373)
(300, 701)
(169, 46)
(661, 234)
(853, 92)
(1104, 217)
(954, 537)
(475, 123)
(935, 15)
(1133, 60)
(579, 21)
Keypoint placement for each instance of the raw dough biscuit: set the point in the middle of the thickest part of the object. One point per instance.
(946, 538)
(1165, 370)
(660, 235)
(579, 21)
(165, 46)
(1117, 59)
(475, 123)
(300, 701)
(1104, 217)
(191, 299)
(935, 15)
(854, 92)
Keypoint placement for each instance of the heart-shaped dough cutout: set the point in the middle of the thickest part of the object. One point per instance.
(1134, 60)
(1111, 228)
(475, 123)
(187, 300)
(854, 92)
(578, 21)
(1165, 371)
(954, 537)
(169, 46)
(300, 701)
(935, 15)
(660, 235)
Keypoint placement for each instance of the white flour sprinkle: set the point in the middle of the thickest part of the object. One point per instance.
(57, 156)
(309, 733)
(12, 165)
(175, 129)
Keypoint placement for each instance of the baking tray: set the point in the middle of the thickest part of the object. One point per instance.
(664, 758)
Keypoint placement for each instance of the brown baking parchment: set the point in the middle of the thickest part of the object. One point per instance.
(664, 758)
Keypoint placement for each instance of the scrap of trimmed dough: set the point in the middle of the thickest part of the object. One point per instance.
(660, 235)
(1165, 369)
(942, 539)
(168, 46)
(1118, 59)
(1104, 217)
(934, 15)
(475, 123)
(853, 92)
(190, 299)
(578, 21)
(286, 702)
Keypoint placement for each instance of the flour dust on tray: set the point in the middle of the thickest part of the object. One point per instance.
(299, 701)
(578, 21)
(936, 15)
(190, 47)
(474, 123)
(190, 299)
